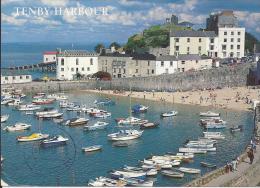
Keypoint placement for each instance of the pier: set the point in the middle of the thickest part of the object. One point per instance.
(44, 67)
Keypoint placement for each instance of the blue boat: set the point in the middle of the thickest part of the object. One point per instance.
(138, 108)
(54, 141)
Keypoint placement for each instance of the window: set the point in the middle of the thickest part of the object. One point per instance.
(46, 59)
(225, 40)
(82, 69)
(88, 69)
(224, 47)
(225, 33)
(91, 61)
(182, 62)
(136, 63)
(238, 40)
(188, 39)
(62, 61)
(13, 77)
(77, 61)
(27, 77)
(62, 69)
(232, 32)
(188, 49)
(176, 39)
(54, 57)
(197, 61)
(177, 48)
(211, 40)
(162, 63)
(238, 47)
(199, 39)
(148, 63)
(183, 69)
(124, 71)
(152, 71)
(179, 69)
(171, 63)
(231, 47)
(136, 70)
(224, 54)
(199, 48)
(148, 71)
(72, 69)
(21, 77)
(114, 70)
(211, 47)
(238, 33)
(119, 70)
(238, 54)
(6, 78)
(106, 62)
(232, 39)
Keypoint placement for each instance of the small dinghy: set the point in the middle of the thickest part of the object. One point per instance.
(4, 118)
(136, 182)
(17, 127)
(208, 165)
(138, 108)
(97, 125)
(169, 114)
(209, 114)
(173, 174)
(149, 125)
(189, 170)
(76, 121)
(54, 141)
(92, 148)
(236, 129)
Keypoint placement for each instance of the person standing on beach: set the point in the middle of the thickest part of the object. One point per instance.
(251, 155)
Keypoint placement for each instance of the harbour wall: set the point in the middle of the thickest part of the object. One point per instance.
(213, 78)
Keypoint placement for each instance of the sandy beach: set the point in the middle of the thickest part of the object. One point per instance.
(238, 98)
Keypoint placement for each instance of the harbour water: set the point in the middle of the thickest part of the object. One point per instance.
(29, 164)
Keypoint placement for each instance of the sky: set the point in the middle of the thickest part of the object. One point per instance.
(114, 20)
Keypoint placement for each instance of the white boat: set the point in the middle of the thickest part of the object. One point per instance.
(4, 118)
(102, 115)
(90, 110)
(131, 121)
(136, 182)
(54, 141)
(74, 108)
(125, 174)
(125, 135)
(209, 114)
(51, 115)
(189, 170)
(213, 125)
(46, 111)
(97, 125)
(28, 107)
(76, 121)
(17, 127)
(169, 114)
(213, 135)
(66, 104)
(192, 150)
(15, 102)
(57, 96)
(39, 95)
(198, 145)
(106, 182)
(5, 101)
(186, 155)
(32, 137)
(210, 119)
(172, 174)
(139, 108)
(92, 148)
(206, 140)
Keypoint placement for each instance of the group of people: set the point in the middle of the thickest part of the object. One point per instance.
(232, 166)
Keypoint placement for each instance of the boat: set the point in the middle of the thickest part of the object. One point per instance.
(28, 107)
(125, 174)
(48, 113)
(120, 144)
(42, 101)
(173, 174)
(210, 119)
(92, 148)
(131, 121)
(102, 115)
(237, 128)
(52, 115)
(215, 124)
(57, 96)
(213, 135)
(131, 168)
(17, 127)
(169, 114)
(199, 144)
(66, 104)
(208, 165)
(5, 101)
(4, 118)
(90, 110)
(125, 135)
(192, 150)
(54, 141)
(15, 102)
(149, 125)
(105, 102)
(138, 108)
(149, 172)
(136, 182)
(76, 121)
(39, 95)
(106, 182)
(32, 137)
(189, 170)
(97, 125)
(209, 114)
(74, 108)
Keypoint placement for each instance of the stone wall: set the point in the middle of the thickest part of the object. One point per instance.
(212, 78)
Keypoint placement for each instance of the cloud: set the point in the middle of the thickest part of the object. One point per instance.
(12, 20)
(61, 3)
(257, 29)
(133, 3)
(44, 21)
(198, 19)
(187, 6)
(5, 2)
(250, 20)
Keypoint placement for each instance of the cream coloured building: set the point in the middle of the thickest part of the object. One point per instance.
(17, 79)
(73, 62)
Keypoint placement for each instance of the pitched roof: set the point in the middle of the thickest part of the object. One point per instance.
(76, 53)
(190, 33)
(50, 53)
(166, 58)
(191, 57)
(135, 56)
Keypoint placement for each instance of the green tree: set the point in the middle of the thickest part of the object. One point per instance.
(115, 44)
(98, 48)
(250, 40)
(102, 75)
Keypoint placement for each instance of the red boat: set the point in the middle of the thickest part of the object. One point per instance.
(43, 101)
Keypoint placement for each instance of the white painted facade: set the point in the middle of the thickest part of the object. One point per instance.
(165, 67)
(49, 57)
(71, 62)
(231, 42)
(18, 79)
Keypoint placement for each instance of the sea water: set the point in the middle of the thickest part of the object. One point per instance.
(29, 164)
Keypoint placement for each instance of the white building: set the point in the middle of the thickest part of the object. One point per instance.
(231, 42)
(73, 62)
(18, 79)
(166, 65)
(49, 56)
